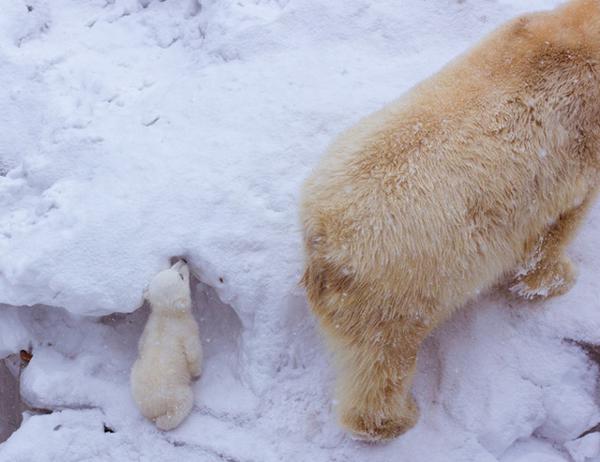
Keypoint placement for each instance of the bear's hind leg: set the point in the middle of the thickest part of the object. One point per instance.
(550, 271)
(178, 410)
(376, 370)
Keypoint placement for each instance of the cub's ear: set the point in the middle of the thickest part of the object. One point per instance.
(145, 293)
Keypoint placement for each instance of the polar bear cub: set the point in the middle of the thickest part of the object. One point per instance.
(170, 352)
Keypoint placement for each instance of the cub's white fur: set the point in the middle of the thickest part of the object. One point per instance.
(170, 352)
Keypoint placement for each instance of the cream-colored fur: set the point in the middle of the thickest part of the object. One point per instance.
(481, 172)
(170, 352)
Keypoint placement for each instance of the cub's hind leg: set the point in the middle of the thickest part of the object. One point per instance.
(178, 408)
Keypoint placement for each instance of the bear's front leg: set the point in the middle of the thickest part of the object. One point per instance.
(549, 278)
(549, 272)
(193, 353)
(375, 402)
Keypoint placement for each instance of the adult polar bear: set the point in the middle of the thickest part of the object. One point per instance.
(481, 172)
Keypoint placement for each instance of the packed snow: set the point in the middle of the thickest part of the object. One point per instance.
(135, 131)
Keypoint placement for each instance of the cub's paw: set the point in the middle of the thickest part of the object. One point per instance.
(196, 371)
(380, 424)
(548, 279)
(195, 366)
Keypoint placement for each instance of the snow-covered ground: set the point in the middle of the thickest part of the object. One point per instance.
(133, 131)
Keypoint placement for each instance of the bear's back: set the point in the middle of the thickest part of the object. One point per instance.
(458, 173)
(162, 346)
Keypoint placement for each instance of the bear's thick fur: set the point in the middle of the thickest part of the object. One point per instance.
(481, 172)
(170, 352)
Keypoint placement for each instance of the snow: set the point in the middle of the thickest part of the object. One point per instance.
(585, 449)
(13, 334)
(134, 131)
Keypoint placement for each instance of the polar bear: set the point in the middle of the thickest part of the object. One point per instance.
(170, 352)
(478, 174)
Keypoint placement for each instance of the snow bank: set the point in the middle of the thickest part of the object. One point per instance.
(14, 336)
(138, 130)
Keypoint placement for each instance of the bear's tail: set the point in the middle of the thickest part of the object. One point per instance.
(313, 279)
(323, 272)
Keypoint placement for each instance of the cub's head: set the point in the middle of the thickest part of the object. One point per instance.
(169, 291)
